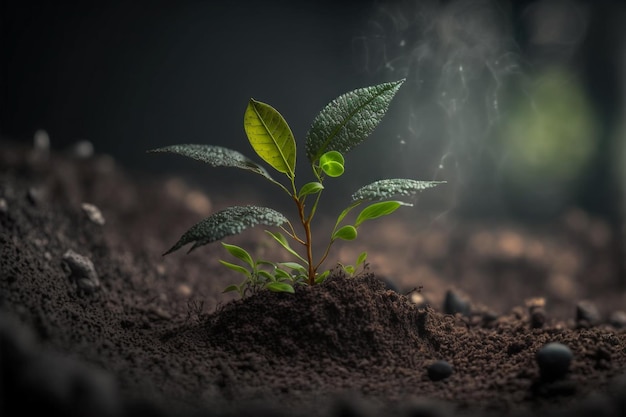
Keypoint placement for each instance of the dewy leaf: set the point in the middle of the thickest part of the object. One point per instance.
(349, 119)
(375, 210)
(270, 136)
(216, 156)
(228, 222)
(380, 190)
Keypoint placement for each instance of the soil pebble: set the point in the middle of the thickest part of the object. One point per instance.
(93, 213)
(554, 361)
(81, 271)
(439, 370)
(587, 314)
(455, 303)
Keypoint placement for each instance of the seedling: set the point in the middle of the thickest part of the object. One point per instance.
(339, 127)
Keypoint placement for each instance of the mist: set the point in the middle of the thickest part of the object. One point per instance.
(518, 105)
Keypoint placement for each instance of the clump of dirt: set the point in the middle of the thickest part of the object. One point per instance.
(344, 320)
(93, 321)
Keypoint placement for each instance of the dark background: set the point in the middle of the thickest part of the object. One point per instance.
(130, 76)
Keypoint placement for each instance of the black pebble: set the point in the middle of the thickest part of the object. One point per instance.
(439, 370)
(554, 360)
(453, 304)
(587, 314)
(390, 284)
(618, 319)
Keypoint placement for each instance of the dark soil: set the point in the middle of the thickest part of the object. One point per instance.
(153, 335)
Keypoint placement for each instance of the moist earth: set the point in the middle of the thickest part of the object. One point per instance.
(444, 321)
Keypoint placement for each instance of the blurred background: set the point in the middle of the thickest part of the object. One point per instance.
(518, 105)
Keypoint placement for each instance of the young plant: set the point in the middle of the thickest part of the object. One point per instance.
(339, 127)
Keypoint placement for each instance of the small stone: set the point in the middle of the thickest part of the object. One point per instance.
(184, 290)
(35, 196)
(158, 313)
(82, 272)
(390, 284)
(554, 360)
(587, 314)
(537, 312)
(617, 319)
(83, 149)
(454, 304)
(93, 213)
(537, 318)
(41, 149)
(439, 370)
(489, 317)
(41, 141)
(4, 207)
(418, 299)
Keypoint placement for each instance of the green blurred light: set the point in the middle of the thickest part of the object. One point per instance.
(552, 136)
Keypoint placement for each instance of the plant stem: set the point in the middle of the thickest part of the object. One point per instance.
(326, 252)
(306, 224)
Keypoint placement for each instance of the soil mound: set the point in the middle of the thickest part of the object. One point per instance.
(345, 319)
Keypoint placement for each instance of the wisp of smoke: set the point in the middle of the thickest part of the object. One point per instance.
(459, 59)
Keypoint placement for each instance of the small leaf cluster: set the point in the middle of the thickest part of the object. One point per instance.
(274, 276)
(341, 125)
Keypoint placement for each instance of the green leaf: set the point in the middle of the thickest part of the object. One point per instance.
(216, 156)
(270, 137)
(322, 277)
(362, 258)
(227, 222)
(346, 121)
(350, 269)
(285, 244)
(383, 189)
(236, 267)
(266, 275)
(293, 265)
(345, 212)
(310, 188)
(347, 232)
(232, 288)
(280, 287)
(332, 163)
(266, 263)
(333, 169)
(282, 274)
(239, 253)
(376, 210)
